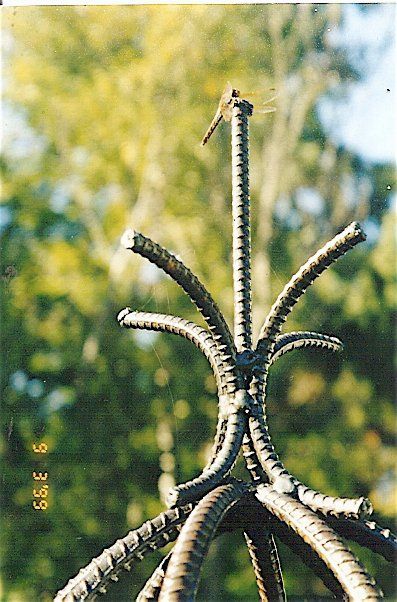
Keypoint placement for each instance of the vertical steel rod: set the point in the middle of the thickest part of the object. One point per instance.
(241, 226)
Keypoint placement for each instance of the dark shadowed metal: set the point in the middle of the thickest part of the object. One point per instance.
(273, 502)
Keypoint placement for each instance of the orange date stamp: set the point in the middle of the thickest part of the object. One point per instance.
(41, 485)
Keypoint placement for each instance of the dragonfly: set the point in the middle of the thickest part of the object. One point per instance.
(225, 107)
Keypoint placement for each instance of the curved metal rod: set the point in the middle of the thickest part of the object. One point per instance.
(352, 576)
(267, 456)
(291, 293)
(261, 546)
(223, 463)
(368, 534)
(265, 561)
(225, 375)
(303, 278)
(296, 340)
(152, 535)
(152, 587)
(196, 291)
(284, 482)
(183, 572)
(256, 515)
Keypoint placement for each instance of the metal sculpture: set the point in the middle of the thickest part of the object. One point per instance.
(274, 502)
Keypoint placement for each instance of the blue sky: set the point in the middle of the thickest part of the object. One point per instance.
(365, 121)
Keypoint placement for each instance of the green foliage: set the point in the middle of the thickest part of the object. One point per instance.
(113, 102)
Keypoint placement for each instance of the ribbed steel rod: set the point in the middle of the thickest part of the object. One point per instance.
(368, 534)
(220, 467)
(183, 572)
(152, 535)
(192, 286)
(241, 226)
(306, 275)
(350, 573)
(225, 374)
(151, 589)
(302, 340)
(284, 482)
(265, 561)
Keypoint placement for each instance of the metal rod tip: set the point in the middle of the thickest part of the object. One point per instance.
(128, 239)
(357, 230)
(122, 314)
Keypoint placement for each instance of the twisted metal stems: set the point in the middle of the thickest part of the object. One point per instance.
(183, 572)
(302, 339)
(152, 535)
(352, 576)
(241, 226)
(196, 291)
(283, 505)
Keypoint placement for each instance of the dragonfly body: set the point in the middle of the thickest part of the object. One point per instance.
(224, 110)
(228, 99)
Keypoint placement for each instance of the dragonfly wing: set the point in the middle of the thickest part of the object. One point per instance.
(265, 110)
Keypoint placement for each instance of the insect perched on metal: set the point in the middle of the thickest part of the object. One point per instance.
(225, 107)
(224, 110)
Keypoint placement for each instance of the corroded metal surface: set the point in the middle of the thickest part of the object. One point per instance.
(274, 502)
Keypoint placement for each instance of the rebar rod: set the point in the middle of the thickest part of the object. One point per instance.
(291, 293)
(225, 375)
(352, 576)
(284, 482)
(152, 535)
(303, 339)
(183, 572)
(196, 291)
(241, 226)
(151, 589)
(252, 462)
(222, 465)
(304, 277)
(368, 534)
(248, 514)
(265, 561)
